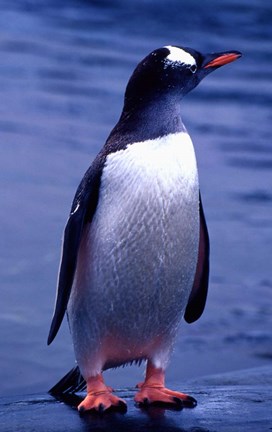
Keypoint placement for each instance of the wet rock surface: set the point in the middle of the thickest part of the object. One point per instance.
(238, 401)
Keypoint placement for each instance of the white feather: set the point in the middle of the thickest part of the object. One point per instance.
(178, 55)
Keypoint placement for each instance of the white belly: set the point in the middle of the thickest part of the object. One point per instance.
(138, 257)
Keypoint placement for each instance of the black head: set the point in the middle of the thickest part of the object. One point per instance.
(172, 71)
(155, 89)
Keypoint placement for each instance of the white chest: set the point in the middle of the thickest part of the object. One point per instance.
(163, 161)
(138, 257)
(149, 175)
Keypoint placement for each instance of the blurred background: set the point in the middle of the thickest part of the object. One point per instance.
(64, 66)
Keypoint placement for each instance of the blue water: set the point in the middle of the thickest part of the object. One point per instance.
(64, 67)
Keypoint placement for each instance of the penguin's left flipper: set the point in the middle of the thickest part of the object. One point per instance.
(82, 211)
(198, 296)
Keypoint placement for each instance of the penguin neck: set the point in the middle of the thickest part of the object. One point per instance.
(147, 120)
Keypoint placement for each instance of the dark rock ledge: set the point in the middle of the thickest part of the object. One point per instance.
(238, 401)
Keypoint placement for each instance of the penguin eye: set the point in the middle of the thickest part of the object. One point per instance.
(193, 68)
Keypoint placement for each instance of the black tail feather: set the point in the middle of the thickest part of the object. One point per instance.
(72, 382)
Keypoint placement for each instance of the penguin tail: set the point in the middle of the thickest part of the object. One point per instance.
(71, 383)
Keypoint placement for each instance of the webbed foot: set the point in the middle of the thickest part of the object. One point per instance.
(100, 398)
(152, 391)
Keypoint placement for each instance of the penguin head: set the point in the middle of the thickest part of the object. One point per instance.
(173, 71)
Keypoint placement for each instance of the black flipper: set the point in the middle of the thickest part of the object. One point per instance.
(198, 296)
(83, 209)
(72, 382)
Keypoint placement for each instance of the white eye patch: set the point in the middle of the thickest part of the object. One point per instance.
(178, 55)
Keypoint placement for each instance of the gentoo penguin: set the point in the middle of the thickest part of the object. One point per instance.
(135, 256)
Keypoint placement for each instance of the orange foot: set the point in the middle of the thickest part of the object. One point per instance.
(100, 398)
(153, 391)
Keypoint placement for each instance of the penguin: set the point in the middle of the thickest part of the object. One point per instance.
(135, 255)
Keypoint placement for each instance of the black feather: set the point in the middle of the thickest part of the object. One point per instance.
(72, 382)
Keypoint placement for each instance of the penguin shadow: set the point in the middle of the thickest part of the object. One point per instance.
(157, 418)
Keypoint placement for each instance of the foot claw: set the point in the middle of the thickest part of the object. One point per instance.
(189, 402)
(101, 408)
(81, 409)
(178, 401)
(122, 406)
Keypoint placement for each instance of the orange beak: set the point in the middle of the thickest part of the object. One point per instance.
(223, 59)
